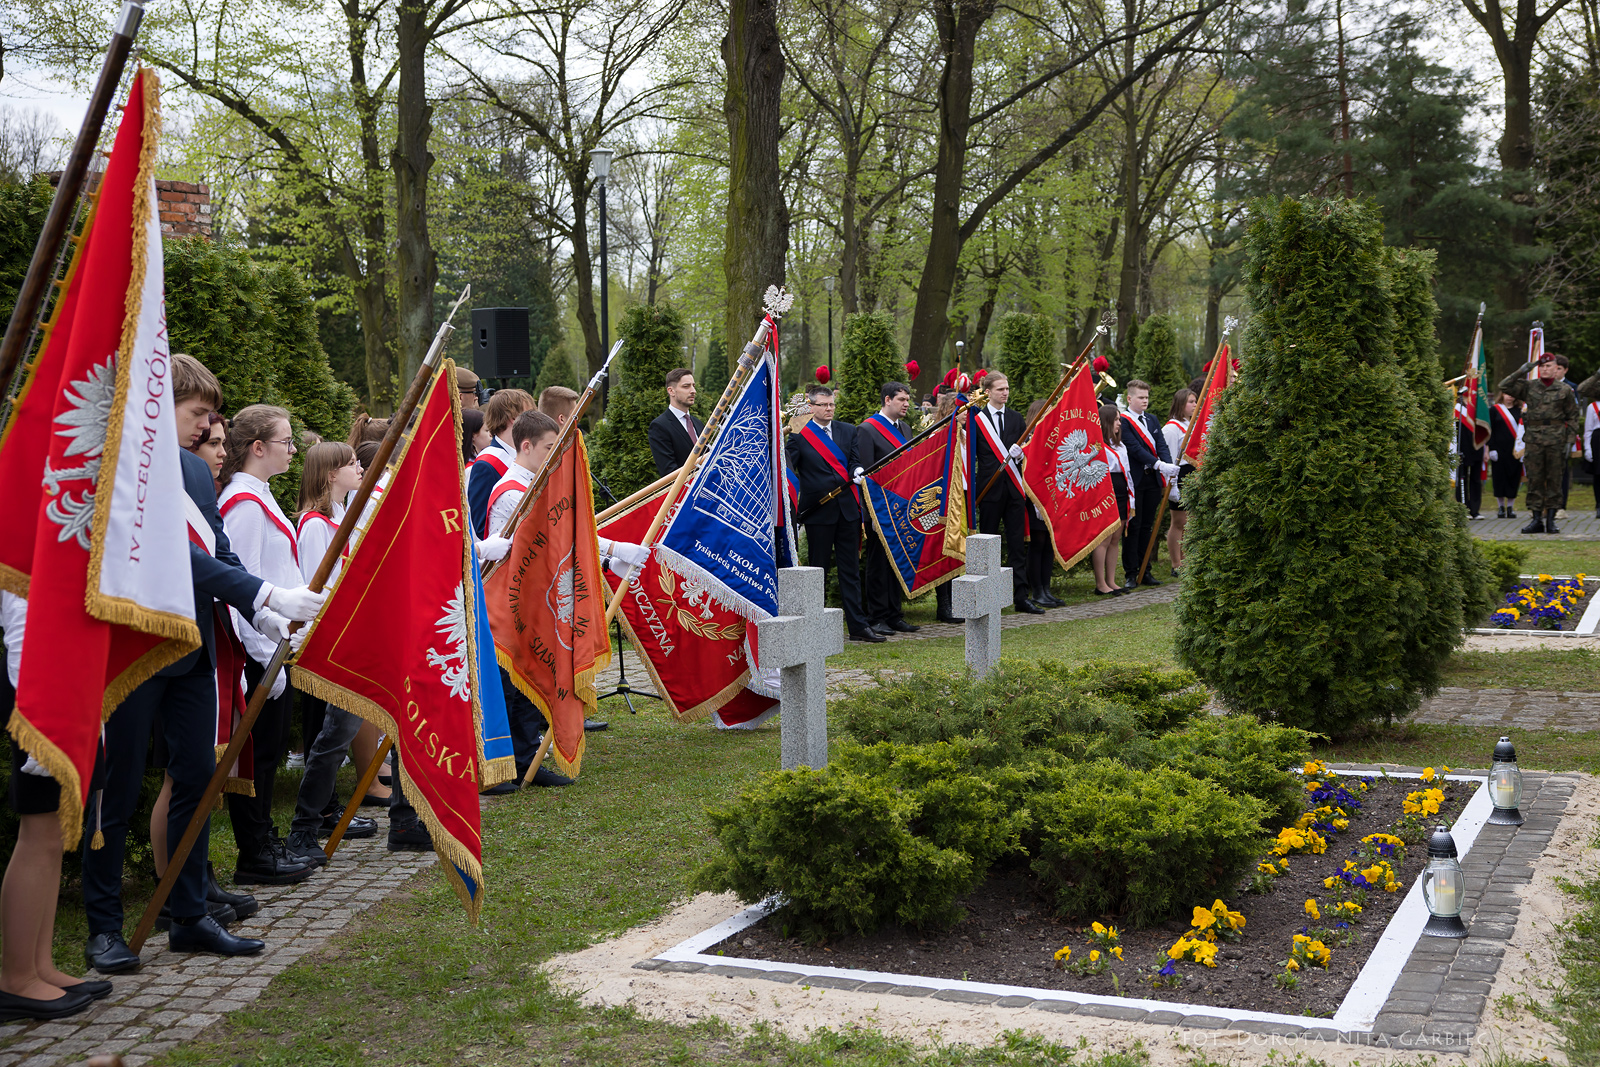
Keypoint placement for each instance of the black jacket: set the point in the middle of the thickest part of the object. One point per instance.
(1140, 458)
(1011, 428)
(872, 445)
(221, 577)
(669, 443)
(817, 478)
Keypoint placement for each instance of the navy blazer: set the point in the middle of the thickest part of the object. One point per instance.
(817, 478)
(220, 577)
(1140, 458)
(669, 441)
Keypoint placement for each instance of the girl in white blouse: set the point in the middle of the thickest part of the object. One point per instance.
(1104, 557)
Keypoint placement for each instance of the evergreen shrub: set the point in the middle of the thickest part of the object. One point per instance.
(23, 207)
(1505, 560)
(619, 453)
(1028, 358)
(869, 357)
(1243, 756)
(716, 376)
(1157, 362)
(1142, 844)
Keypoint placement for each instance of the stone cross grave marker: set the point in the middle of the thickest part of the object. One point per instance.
(799, 642)
(978, 596)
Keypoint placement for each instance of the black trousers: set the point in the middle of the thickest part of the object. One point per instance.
(527, 723)
(1146, 499)
(252, 816)
(1012, 510)
(188, 706)
(882, 600)
(1469, 481)
(312, 711)
(828, 543)
(1041, 555)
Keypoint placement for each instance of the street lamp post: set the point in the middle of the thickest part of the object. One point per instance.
(827, 283)
(959, 346)
(602, 169)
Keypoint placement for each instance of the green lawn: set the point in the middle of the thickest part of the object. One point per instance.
(1561, 557)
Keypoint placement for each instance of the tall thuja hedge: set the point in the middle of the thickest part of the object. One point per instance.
(869, 357)
(619, 454)
(1416, 348)
(715, 378)
(1316, 592)
(1158, 363)
(23, 206)
(1028, 357)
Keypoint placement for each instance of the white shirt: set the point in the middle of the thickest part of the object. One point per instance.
(1591, 422)
(685, 421)
(13, 613)
(265, 548)
(1173, 431)
(505, 505)
(825, 427)
(315, 535)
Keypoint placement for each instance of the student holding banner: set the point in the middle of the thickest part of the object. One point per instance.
(1151, 467)
(880, 435)
(996, 431)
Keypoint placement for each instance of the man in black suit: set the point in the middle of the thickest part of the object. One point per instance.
(1004, 502)
(675, 430)
(875, 439)
(822, 456)
(186, 696)
(1147, 455)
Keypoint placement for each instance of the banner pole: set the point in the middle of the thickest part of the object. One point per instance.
(1161, 511)
(258, 699)
(1055, 393)
(368, 776)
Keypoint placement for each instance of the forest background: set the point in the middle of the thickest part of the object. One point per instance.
(946, 163)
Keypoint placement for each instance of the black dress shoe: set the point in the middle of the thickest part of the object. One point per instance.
(302, 845)
(871, 637)
(360, 826)
(881, 628)
(271, 867)
(15, 1009)
(1027, 607)
(223, 913)
(243, 904)
(950, 618)
(1048, 599)
(900, 626)
(370, 801)
(412, 838)
(594, 725)
(504, 789)
(91, 989)
(109, 954)
(204, 935)
(549, 779)
(1151, 579)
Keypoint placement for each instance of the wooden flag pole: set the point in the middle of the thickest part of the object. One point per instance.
(330, 559)
(1161, 510)
(569, 433)
(538, 757)
(368, 776)
(747, 364)
(42, 267)
(634, 497)
(958, 409)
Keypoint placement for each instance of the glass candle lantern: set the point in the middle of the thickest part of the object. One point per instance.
(1505, 785)
(1443, 886)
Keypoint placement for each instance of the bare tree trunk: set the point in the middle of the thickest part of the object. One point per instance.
(758, 219)
(1128, 282)
(583, 271)
(418, 270)
(849, 255)
(991, 294)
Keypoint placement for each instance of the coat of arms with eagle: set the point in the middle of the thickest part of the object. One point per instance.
(1077, 468)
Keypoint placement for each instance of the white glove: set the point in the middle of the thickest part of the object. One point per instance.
(35, 768)
(299, 604)
(298, 638)
(1170, 470)
(269, 623)
(1493, 456)
(494, 549)
(1519, 450)
(1014, 452)
(860, 476)
(625, 558)
(1172, 494)
(278, 685)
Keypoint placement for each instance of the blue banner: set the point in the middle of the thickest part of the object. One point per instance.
(722, 539)
(497, 760)
(915, 505)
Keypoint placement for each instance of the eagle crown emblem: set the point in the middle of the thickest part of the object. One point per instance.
(1077, 468)
(452, 664)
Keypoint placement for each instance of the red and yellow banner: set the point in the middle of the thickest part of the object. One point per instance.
(547, 608)
(1066, 473)
(917, 511)
(395, 642)
(1206, 409)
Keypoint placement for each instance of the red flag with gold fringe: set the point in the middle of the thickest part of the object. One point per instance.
(1206, 410)
(395, 643)
(1067, 475)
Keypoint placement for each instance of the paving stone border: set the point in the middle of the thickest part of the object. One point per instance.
(175, 996)
(1434, 1005)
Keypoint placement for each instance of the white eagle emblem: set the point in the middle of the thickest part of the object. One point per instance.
(561, 599)
(453, 668)
(1077, 469)
(84, 427)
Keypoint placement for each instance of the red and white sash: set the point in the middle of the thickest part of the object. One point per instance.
(991, 437)
(272, 517)
(230, 659)
(1128, 419)
(506, 485)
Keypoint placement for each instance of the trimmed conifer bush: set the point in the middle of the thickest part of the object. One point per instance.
(1156, 361)
(1318, 591)
(619, 453)
(869, 357)
(23, 206)
(1028, 358)
(715, 378)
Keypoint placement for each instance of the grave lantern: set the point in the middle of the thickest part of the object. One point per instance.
(1505, 785)
(1443, 886)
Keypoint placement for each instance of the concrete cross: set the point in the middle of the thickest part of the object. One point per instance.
(978, 596)
(799, 642)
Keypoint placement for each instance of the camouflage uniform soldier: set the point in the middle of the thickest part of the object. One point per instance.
(1589, 388)
(1550, 414)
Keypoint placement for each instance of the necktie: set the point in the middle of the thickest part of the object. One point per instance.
(688, 424)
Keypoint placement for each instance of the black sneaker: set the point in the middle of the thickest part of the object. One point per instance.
(504, 789)
(411, 838)
(548, 778)
(302, 845)
(360, 826)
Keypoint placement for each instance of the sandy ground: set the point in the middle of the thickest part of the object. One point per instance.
(1514, 641)
(604, 976)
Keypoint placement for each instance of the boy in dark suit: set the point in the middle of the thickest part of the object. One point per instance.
(1003, 502)
(1147, 455)
(674, 432)
(876, 438)
(822, 456)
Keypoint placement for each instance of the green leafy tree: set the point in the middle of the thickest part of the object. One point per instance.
(1028, 357)
(618, 454)
(23, 206)
(1158, 363)
(715, 379)
(1320, 587)
(869, 358)
(557, 369)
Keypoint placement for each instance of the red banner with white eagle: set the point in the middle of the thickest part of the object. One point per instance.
(93, 530)
(546, 608)
(1066, 473)
(694, 649)
(1206, 410)
(396, 641)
